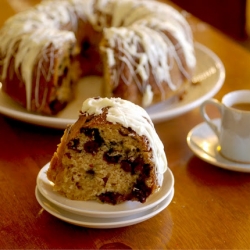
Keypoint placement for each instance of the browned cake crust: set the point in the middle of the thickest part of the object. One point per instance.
(76, 41)
(99, 160)
(127, 87)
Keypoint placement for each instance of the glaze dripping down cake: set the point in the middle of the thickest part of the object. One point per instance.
(143, 49)
(111, 154)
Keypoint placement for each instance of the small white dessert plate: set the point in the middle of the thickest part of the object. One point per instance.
(204, 144)
(97, 222)
(101, 210)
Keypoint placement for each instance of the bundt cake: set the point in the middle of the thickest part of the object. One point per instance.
(111, 154)
(143, 49)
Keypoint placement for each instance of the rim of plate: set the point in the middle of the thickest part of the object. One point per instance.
(217, 160)
(103, 223)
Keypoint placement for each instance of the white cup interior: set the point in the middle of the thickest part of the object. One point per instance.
(240, 96)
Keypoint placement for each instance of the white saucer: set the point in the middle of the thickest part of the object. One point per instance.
(92, 222)
(204, 143)
(97, 209)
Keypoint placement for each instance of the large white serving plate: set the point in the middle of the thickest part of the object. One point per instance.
(98, 209)
(210, 74)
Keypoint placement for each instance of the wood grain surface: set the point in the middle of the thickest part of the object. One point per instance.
(210, 208)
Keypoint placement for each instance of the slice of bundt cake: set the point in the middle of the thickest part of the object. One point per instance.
(111, 154)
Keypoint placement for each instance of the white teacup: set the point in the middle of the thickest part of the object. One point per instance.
(234, 132)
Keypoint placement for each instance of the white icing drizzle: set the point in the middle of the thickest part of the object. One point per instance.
(148, 96)
(28, 35)
(130, 115)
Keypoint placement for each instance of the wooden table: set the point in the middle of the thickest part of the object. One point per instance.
(210, 208)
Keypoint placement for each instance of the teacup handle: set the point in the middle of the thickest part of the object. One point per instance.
(205, 116)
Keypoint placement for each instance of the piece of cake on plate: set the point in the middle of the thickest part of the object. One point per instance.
(111, 154)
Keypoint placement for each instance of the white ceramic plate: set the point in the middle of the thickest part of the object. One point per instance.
(210, 73)
(204, 143)
(96, 222)
(101, 210)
